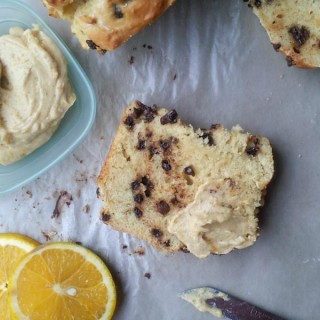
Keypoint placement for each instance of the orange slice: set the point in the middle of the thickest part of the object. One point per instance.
(62, 281)
(13, 247)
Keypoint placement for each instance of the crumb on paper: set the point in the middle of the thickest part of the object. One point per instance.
(49, 235)
(147, 275)
(131, 60)
(78, 193)
(124, 246)
(86, 208)
(64, 198)
(140, 251)
(29, 193)
(77, 158)
(174, 77)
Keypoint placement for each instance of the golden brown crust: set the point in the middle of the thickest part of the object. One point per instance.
(107, 23)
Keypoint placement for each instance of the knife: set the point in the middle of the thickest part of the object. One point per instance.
(221, 304)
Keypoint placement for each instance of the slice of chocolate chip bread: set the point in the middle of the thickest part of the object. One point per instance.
(292, 28)
(105, 24)
(159, 168)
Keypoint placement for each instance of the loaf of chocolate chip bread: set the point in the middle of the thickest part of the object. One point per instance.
(292, 28)
(105, 24)
(160, 171)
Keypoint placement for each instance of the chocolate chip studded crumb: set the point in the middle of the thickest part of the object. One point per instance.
(163, 207)
(166, 243)
(91, 44)
(105, 217)
(166, 165)
(147, 275)
(141, 144)
(138, 213)
(170, 117)
(138, 198)
(117, 11)
(129, 122)
(156, 233)
(276, 46)
(135, 185)
(253, 146)
(300, 35)
(189, 171)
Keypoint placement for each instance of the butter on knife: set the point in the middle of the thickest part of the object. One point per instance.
(220, 305)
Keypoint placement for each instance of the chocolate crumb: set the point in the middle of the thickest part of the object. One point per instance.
(166, 165)
(117, 12)
(147, 275)
(167, 243)
(170, 117)
(91, 44)
(165, 144)
(156, 233)
(189, 171)
(129, 122)
(131, 60)
(174, 77)
(124, 246)
(135, 185)
(141, 144)
(137, 212)
(149, 47)
(138, 198)
(140, 251)
(105, 217)
(163, 207)
(64, 198)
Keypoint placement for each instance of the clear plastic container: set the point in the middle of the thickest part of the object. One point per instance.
(75, 125)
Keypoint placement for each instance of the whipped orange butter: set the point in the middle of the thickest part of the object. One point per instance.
(221, 217)
(35, 92)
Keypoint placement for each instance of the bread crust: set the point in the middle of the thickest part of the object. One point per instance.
(106, 24)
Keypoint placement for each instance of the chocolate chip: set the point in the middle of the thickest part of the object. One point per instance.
(152, 151)
(163, 207)
(141, 144)
(105, 217)
(124, 246)
(129, 122)
(189, 171)
(300, 35)
(184, 249)
(138, 198)
(166, 165)
(165, 144)
(174, 200)
(135, 185)
(147, 193)
(145, 181)
(208, 136)
(167, 243)
(257, 3)
(276, 46)
(170, 117)
(138, 213)
(149, 113)
(98, 192)
(253, 146)
(156, 233)
(117, 12)
(91, 44)
(290, 61)
(149, 47)
(131, 60)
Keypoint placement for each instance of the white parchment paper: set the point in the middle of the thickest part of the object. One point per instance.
(212, 61)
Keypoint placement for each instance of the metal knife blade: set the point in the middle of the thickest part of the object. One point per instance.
(223, 304)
